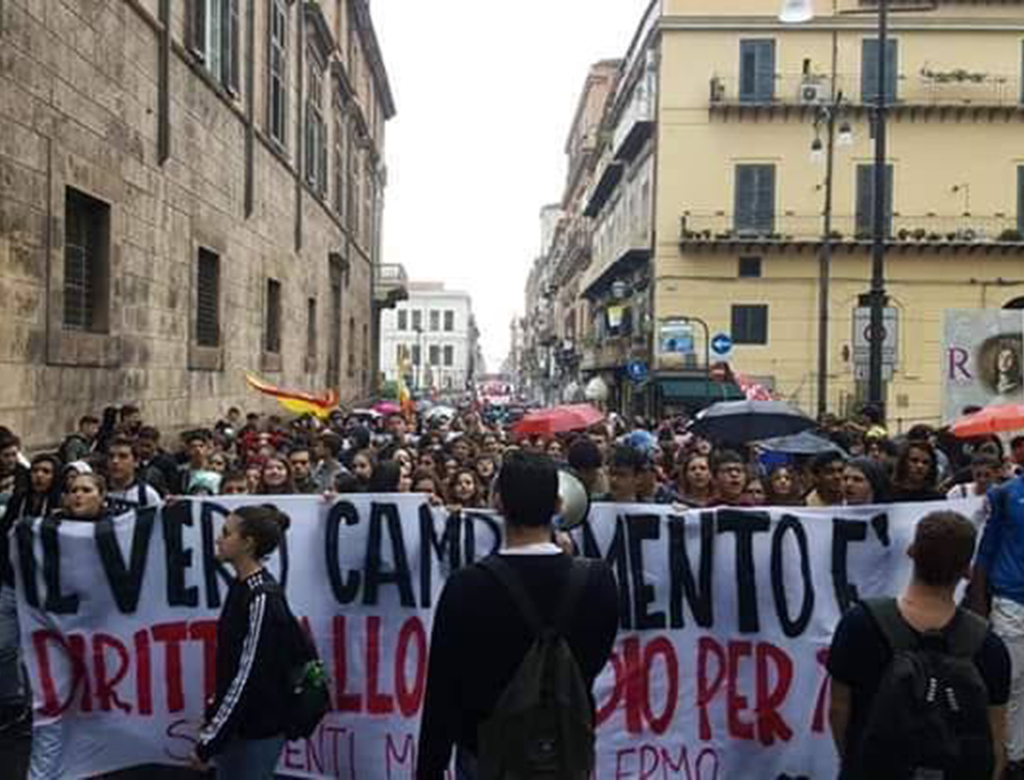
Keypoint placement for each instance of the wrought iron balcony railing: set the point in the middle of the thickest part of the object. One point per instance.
(928, 87)
(997, 230)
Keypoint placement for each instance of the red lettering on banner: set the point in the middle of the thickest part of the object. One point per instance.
(106, 685)
(74, 652)
(344, 702)
(633, 685)
(206, 632)
(605, 710)
(769, 722)
(376, 703)
(821, 708)
(737, 703)
(707, 647)
(143, 674)
(172, 635)
(661, 646)
(409, 701)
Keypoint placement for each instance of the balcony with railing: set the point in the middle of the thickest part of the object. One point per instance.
(392, 285)
(930, 91)
(968, 233)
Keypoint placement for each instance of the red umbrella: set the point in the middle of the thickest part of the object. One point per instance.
(991, 419)
(558, 419)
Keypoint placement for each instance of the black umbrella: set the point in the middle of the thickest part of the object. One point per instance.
(805, 443)
(739, 422)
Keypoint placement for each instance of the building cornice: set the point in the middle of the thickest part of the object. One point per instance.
(858, 23)
(371, 46)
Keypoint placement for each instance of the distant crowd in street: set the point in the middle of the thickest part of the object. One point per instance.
(470, 458)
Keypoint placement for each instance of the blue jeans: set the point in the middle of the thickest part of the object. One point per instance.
(12, 689)
(249, 759)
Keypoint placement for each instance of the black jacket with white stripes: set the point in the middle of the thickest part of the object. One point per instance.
(251, 666)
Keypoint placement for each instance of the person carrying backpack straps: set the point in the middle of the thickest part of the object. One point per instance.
(543, 723)
(918, 686)
(507, 633)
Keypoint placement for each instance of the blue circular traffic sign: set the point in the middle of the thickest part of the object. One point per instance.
(637, 370)
(721, 344)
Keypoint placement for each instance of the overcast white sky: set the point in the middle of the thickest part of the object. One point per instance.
(485, 93)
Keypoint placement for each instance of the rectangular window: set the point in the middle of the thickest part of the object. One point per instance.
(86, 262)
(272, 323)
(1020, 198)
(277, 83)
(213, 35)
(354, 186)
(417, 319)
(865, 218)
(449, 355)
(869, 70)
(351, 370)
(755, 199)
(435, 319)
(750, 324)
(415, 354)
(449, 320)
(334, 328)
(750, 268)
(435, 354)
(311, 328)
(339, 164)
(316, 131)
(757, 71)
(208, 299)
(403, 319)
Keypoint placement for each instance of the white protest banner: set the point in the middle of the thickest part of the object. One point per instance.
(718, 670)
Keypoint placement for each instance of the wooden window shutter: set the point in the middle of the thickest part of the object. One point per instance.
(231, 61)
(195, 26)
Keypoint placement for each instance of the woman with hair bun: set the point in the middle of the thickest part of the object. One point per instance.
(243, 731)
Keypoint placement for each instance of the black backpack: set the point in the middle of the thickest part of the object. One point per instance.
(930, 711)
(306, 697)
(543, 723)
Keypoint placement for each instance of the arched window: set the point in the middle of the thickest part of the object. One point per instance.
(1016, 303)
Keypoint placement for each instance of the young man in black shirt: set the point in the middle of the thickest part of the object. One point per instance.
(480, 636)
(941, 551)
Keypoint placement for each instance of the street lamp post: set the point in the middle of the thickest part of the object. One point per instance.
(876, 296)
(799, 11)
(827, 115)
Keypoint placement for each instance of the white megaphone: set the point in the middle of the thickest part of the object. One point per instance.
(573, 500)
(796, 11)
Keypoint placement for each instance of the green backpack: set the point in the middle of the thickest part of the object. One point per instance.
(543, 724)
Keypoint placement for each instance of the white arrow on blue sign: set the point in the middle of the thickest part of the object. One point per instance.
(721, 344)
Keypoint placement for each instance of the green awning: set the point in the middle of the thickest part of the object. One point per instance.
(697, 389)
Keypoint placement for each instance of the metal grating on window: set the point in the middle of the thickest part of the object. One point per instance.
(85, 222)
(272, 336)
(208, 299)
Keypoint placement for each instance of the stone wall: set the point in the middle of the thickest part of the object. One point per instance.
(79, 107)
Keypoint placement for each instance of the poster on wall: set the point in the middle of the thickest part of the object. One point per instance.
(983, 359)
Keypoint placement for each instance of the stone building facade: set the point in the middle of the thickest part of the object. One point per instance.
(189, 191)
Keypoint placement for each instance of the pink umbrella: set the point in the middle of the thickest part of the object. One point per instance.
(558, 419)
(387, 407)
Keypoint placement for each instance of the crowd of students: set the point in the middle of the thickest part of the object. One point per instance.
(117, 462)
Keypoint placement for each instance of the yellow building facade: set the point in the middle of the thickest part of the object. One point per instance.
(737, 207)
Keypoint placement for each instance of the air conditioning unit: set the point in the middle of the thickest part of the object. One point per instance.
(717, 90)
(813, 93)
